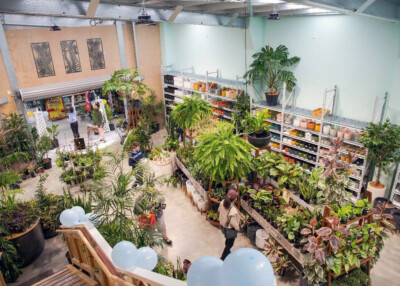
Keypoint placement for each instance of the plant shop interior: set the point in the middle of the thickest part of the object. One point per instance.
(200, 142)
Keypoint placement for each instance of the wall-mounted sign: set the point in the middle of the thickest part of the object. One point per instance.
(43, 60)
(72, 62)
(96, 55)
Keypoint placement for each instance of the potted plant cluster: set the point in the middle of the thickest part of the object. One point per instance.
(142, 134)
(21, 221)
(273, 67)
(151, 109)
(241, 107)
(257, 129)
(383, 143)
(43, 146)
(49, 208)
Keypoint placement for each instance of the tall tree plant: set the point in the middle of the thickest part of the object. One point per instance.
(383, 143)
(223, 155)
(273, 68)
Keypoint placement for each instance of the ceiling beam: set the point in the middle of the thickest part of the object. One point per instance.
(215, 7)
(232, 20)
(265, 8)
(77, 9)
(364, 6)
(91, 11)
(175, 14)
(383, 10)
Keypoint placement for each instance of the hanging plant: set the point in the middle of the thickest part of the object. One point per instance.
(124, 82)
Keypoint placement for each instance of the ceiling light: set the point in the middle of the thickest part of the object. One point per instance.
(144, 18)
(274, 15)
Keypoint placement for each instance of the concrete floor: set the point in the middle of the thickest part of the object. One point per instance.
(191, 234)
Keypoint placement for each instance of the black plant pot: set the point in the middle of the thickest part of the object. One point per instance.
(155, 127)
(49, 233)
(381, 201)
(47, 164)
(272, 99)
(56, 144)
(29, 244)
(259, 140)
(396, 220)
(251, 232)
(112, 126)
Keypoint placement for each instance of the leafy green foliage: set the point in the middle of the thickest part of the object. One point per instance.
(43, 146)
(383, 143)
(171, 142)
(8, 178)
(53, 130)
(189, 112)
(9, 261)
(123, 82)
(142, 134)
(241, 107)
(113, 201)
(49, 206)
(223, 155)
(312, 185)
(272, 67)
(256, 123)
(356, 277)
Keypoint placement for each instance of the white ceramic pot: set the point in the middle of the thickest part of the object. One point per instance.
(326, 129)
(376, 192)
(261, 237)
(308, 136)
(333, 132)
(303, 124)
(296, 122)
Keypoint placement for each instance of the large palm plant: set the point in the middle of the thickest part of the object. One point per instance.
(273, 67)
(190, 112)
(223, 155)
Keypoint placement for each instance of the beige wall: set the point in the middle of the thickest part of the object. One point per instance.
(19, 44)
(4, 89)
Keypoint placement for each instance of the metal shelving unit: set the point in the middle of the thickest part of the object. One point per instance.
(210, 78)
(331, 120)
(395, 197)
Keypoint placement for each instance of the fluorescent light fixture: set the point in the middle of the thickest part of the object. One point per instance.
(320, 11)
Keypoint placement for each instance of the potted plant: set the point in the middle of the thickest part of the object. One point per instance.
(223, 155)
(151, 109)
(273, 67)
(43, 146)
(21, 221)
(383, 143)
(54, 133)
(9, 259)
(110, 117)
(32, 170)
(241, 106)
(190, 112)
(257, 129)
(49, 208)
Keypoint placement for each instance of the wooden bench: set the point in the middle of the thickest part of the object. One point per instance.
(69, 276)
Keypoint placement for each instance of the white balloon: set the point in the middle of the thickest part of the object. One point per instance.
(68, 218)
(79, 211)
(123, 254)
(146, 258)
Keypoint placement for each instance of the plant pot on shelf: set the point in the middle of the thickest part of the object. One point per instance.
(259, 139)
(376, 191)
(29, 244)
(47, 163)
(311, 125)
(272, 98)
(112, 126)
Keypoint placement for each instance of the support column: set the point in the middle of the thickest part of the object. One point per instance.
(12, 77)
(122, 56)
(135, 45)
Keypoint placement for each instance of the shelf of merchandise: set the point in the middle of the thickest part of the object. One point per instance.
(206, 94)
(395, 197)
(196, 184)
(330, 120)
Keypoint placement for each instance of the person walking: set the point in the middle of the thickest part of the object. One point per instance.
(71, 117)
(98, 120)
(229, 218)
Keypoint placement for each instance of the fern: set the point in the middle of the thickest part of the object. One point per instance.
(223, 155)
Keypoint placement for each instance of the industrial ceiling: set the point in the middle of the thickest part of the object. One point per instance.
(230, 13)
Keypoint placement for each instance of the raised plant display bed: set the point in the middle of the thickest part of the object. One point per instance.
(196, 184)
(289, 247)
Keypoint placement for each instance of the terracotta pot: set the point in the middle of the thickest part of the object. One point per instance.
(279, 117)
(340, 134)
(287, 149)
(326, 129)
(292, 160)
(348, 135)
(311, 125)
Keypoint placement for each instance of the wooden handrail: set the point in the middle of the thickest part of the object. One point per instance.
(100, 256)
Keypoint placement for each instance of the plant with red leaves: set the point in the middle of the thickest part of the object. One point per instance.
(381, 216)
(319, 240)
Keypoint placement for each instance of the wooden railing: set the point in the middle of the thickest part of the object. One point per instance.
(90, 252)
